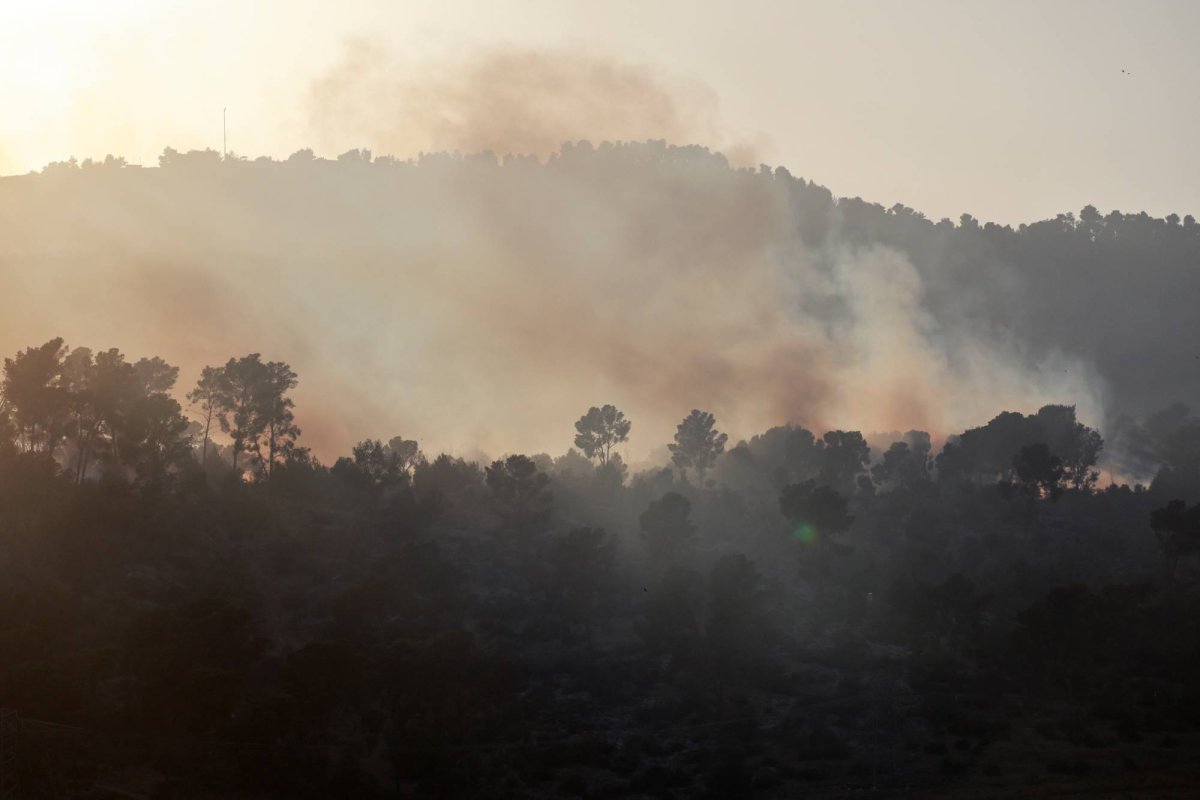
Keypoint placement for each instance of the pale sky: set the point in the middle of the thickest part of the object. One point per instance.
(1011, 111)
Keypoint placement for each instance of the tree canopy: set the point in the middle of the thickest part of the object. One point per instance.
(599, 430)
(697, 443)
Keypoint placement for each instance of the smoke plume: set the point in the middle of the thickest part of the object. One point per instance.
(510, 100)
(476, 303)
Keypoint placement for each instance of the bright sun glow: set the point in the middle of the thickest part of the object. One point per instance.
(54, 52)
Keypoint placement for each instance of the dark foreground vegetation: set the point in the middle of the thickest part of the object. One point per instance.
(795, 615)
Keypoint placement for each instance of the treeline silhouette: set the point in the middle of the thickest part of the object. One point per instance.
(198, 606)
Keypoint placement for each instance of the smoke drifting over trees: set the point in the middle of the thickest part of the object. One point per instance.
(649, 274)
(710, 483)
(396, 622)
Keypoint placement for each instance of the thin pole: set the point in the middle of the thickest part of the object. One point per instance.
(223, 137)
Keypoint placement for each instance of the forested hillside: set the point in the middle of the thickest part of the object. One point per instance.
(197, 608)
(317, 479)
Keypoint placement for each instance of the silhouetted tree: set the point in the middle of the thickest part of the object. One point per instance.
(375, 464)
(771, 460)
(276, 426)
(844, 456)
(114, 387)
(697, 443)
(599, 430)
(800, 453)
(237, 407)
(1076, 445)
(84, 418)
(986, 454)
(8, 437)
(521, 491)
(207, 394)
(447, 477)
(34, 396)
(1039, 471)
(155, 430)
(252, 406)
(905, 464)
(406, 453)
(370, 463)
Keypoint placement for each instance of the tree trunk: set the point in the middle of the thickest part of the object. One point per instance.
(81, 460)
(207, 427)
(79, 446)
(271, 451)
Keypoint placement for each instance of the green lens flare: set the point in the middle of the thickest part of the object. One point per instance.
(805, 533)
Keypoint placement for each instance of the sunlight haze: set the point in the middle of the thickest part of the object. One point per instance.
(896, 103)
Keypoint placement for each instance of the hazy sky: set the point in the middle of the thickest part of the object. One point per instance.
(1008, 110)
